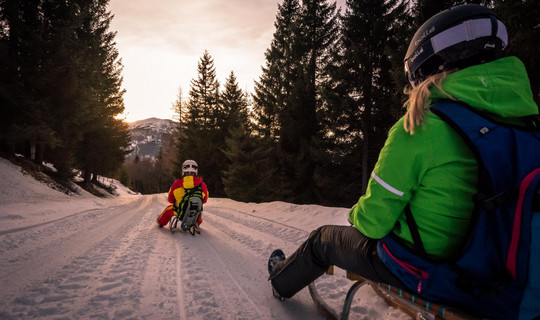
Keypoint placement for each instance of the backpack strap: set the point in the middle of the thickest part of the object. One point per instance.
(472, 126)
(469, 125)
(413, 228)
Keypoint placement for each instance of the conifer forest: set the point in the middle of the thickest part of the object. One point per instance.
(309, 133)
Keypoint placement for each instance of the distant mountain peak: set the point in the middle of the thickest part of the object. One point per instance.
(149, 135)
(152, 120)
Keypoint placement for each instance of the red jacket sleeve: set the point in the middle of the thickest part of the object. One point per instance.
(177, 184)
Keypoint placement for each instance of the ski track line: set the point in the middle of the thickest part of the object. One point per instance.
(3, 232)
(229, 274)
(243, 236)
(243, 213)
(179, 286)
(201, 287)
(237, 237)
(262, 225)
(160, 282)
(36, 244)
(210, 288)
(71, 287)
(41, 233)
(242, 230)
(333, 288)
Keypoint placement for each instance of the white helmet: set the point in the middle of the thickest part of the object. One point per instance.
(190, 168)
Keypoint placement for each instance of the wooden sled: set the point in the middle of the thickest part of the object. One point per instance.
(411, 304)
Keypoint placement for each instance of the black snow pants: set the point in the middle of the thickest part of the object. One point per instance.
(342, 246)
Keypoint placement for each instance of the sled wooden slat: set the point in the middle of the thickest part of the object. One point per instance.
(411, 304)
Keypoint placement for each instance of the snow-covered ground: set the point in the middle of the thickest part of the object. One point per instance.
(83, 257)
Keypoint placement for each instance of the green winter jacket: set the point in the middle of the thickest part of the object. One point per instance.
(433, 170)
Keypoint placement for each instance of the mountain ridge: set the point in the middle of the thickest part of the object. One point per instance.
(149, 135)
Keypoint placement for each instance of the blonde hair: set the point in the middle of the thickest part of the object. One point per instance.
(418, 100)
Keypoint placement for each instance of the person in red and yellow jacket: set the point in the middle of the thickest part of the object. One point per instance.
(189, 180)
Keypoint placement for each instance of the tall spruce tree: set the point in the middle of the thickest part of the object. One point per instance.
(234, 105)
(521, 20)
(200, 137)
(251, 172)
(272, 92)
(60, 57)
(249, 169)
(23, 85)
(360, 92)
(287, 95)
(301, 128)
(102, 73)
(279, 72)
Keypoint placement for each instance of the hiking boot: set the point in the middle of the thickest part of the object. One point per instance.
(276, 295)
(276, 257)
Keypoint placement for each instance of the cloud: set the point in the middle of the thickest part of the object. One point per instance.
(188, 26)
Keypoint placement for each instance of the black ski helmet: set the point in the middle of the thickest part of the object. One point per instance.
(458, 37)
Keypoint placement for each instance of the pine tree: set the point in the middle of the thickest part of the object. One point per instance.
(203, 104)
(234, 105)
(180, 115)
(64, 75)
(521, 20)
(165, 164)
(201, 138)
(275, 84)
(287, 96)
(301, 133)
(249, 172)
(101, 70)
(361, 92)
(23, 92)
(273, 92)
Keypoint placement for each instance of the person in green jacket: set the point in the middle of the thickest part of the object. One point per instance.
(424, 166)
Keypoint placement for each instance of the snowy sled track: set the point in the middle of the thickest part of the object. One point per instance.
(113, 262)
(77, 267)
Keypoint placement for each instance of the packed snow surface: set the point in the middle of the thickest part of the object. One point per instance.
(84, 257)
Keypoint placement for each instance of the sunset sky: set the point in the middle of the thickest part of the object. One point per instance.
(160, 43)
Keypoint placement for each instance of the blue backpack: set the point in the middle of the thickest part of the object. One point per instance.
(497, 274)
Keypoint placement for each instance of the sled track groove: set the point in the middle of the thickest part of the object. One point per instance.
(237, 212)
(224, 267)
(64, 218)
(179, 286)
(261, 225)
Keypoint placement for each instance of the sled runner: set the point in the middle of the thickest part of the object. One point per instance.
(405, 301)
(173, 226)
